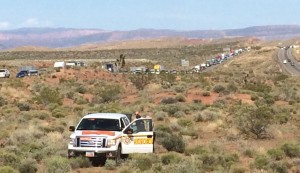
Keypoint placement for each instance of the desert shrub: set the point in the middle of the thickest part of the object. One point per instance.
(141, 80)
(108, 92)
(211, 161)
(276, 154)
(81, 89)
(57, 164)
(209, 115)
(8, 169)
(171, 109)
(168, 100)
(189, 132)
(80, 162)
(110, 164)
(258, 87)
(173, 143)
(237, 169)
(47, 96)
(23, 106)
(170, 158)
(291, 150)
(180, 98)
(28, 166)
(198, 117)
(180, 89)
(80, 100)
(2, 101)
(255, 120)
(16, 83)
(249, 153)
(199, 150)
(218, 88)
(163, 128)
(9, 159)
(70, 95)
(178, 114)
(279, 167)
(58, 113)
(160, 115)
(206, 93)
(184, 122)
(282, 118)
(143, 162)
(254, 97)
(261, 162)
(232, 87)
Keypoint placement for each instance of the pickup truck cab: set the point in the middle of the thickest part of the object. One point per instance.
(110, 135)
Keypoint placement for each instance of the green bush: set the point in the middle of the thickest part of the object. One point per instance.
(173, 143)
(108, 92)
(81, 89)
(180, 98)
(48, 95)
(160, 115)
(9, 159)
(80, 162)
(199, 150)
(8, 169)
(206, 93)
(183, 122)
(2, 101)
(249, 153)
(291, 150)
(170, 158)
(255, 120)
(218, 88)
(57, 164)
(261, 162)
(28, 166)
(171, 109)
(110, 164)
(23, 106)
(168, 100)
(178, 114)
(276, 154)
(143, 162)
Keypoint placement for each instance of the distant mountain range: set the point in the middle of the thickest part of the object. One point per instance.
(64, 37)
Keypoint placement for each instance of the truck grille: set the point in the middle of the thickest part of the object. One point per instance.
(90, 141)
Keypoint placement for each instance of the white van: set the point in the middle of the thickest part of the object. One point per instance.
(4, 73)
(284, 61)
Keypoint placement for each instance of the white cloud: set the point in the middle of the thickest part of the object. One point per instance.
(4, 25)
(35, 22)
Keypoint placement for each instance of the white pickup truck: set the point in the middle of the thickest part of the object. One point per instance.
(110, 135)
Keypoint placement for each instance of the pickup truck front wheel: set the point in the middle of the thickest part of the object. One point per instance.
(118, 156)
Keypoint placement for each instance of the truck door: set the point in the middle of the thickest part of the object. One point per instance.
(138, 137)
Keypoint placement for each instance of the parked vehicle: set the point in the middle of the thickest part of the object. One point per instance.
(22, 73)
(284, 61)
(4, 73)
(110, 135)
(33, 73)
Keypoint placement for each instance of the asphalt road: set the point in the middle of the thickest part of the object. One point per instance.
(284, 54)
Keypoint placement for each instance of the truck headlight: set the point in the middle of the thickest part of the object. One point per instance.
(111, 142)
(72, 141)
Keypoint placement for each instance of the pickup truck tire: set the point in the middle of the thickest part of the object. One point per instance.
(118, 156)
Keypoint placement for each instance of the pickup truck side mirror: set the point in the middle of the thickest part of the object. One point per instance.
(72, 128)
(128, 131)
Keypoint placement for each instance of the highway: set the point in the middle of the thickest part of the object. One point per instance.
(286, 54)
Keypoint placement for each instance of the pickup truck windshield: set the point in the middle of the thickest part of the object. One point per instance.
(99, 124)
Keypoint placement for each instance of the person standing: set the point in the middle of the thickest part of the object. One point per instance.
(137, 115)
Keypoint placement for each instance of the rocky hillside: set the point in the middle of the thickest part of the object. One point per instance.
(63, 37)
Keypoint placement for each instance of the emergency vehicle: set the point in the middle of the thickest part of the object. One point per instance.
(110, 135)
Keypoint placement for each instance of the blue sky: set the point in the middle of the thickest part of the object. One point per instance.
(154, 14)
